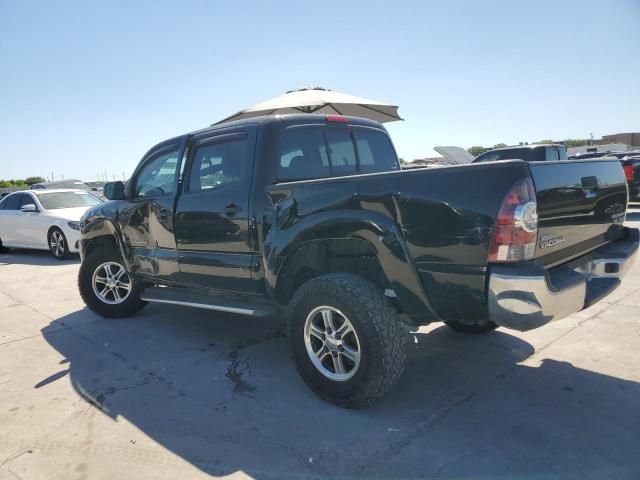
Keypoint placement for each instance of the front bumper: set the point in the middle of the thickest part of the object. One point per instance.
(526, 296)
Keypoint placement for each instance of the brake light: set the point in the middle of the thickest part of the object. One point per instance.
(515, 232)
(628, 172)
(336, 118)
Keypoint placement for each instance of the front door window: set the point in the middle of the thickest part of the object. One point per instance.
(158, 176)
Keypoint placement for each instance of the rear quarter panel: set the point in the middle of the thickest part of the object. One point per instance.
(444, 217)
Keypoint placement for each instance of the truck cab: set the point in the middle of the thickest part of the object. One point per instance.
(528, 153)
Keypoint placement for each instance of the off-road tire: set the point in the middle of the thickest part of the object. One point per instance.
(65, 254)
(130, 306)
(485, 327)
(382, 338)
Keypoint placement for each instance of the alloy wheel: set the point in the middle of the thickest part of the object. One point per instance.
(332, 343)
(57, 243)
(111, 283)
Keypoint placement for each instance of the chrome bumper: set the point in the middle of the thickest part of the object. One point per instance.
(526, 296)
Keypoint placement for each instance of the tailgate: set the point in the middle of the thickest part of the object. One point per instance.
(581, 205)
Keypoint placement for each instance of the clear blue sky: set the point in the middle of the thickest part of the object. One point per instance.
(89, 86)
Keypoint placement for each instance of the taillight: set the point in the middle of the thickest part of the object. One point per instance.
(628, 172)
(515, 232)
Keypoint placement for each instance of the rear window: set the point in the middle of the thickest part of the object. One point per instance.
(375, 151)
(319, 152)
(555, 153)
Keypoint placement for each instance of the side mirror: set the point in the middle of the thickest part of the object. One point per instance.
(29, 207)
(113, 190)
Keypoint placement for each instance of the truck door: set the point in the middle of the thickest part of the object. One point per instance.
(146, 216)
(213, 211)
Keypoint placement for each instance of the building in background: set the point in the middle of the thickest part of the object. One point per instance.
(631, 139)
(617, 142)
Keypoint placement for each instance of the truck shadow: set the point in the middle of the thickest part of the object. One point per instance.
(18, 256)
(221, 392)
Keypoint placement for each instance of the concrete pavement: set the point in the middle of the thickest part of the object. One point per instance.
(180, 393)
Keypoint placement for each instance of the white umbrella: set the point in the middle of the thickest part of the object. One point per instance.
(322, 101)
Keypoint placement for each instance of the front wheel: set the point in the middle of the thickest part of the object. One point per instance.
(345, 338)
(106, 287)
(58, 244)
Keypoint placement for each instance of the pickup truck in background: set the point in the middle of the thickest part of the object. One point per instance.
(310, 216)
(528, 153)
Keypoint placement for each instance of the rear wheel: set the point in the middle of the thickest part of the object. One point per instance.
(58, 244)
(487, 326)
(106, 287)
(345, 339)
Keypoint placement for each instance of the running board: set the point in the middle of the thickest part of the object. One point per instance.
(220, 303)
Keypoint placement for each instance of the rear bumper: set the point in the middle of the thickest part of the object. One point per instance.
(526, 296)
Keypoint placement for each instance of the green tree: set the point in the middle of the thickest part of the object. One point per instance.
(32, 180)
(402, 161)
(477, 150)
(575, 142)
(12, 183)
(500, 145)
(546, 142)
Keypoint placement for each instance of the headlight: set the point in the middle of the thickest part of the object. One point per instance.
(74, 225)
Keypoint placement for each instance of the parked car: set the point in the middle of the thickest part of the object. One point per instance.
(57, 184)
(528, 153)
(311, 216)
(44, 220)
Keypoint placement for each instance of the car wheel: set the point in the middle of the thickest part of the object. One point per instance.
(487, 326)
(58, 244)
(3, 249)
(345, 339)
(106, 287)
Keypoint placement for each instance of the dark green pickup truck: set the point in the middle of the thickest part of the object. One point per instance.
(311, 218)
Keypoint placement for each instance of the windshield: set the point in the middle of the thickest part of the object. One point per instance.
(55, 200)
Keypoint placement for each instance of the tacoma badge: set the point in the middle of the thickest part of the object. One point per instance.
(550, 240)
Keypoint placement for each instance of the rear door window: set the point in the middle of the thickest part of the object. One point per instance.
(218, 164)
(13, 202)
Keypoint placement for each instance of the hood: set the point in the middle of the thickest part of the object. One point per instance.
(69, 214)
(455, 154)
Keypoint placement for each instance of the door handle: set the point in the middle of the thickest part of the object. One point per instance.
(231, 209)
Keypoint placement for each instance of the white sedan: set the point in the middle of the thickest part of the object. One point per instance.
(44, 220)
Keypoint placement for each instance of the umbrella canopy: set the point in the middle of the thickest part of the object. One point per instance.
(322, 101)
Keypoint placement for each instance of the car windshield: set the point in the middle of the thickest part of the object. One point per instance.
(55, 200)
